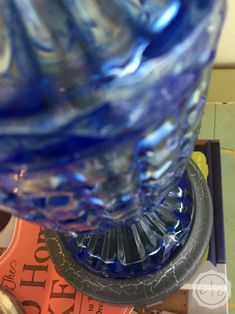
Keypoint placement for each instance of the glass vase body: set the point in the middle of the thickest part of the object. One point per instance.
(100, 106)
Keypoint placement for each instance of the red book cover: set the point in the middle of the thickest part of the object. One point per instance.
(28, 272)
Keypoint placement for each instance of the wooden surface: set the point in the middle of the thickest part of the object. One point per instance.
(176, 303)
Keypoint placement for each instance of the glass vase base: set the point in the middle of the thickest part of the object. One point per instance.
(143, 262)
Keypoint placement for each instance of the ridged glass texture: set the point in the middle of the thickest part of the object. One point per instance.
(100, 105)
(141, 247)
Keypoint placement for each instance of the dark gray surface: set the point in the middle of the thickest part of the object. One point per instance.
(153, 287)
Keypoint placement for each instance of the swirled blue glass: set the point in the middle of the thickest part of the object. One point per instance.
(100, 105)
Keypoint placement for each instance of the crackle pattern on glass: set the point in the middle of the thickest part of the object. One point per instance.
(100, 105)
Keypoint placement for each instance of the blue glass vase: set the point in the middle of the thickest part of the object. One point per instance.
(100, 107)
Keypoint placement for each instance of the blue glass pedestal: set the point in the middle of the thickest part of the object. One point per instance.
(150, 279)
